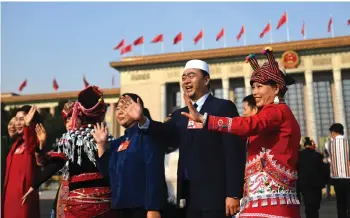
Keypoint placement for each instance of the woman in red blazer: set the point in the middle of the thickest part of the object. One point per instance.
(21, 168)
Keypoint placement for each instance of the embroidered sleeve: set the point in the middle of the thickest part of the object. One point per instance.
(269, 118)
(43, 158)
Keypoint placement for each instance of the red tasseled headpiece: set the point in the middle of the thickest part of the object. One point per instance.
(90, 107)
(268, 71)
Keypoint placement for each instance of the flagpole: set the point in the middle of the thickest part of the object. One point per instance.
(203, 42)
(244, 39)
(304, 31)
(182, 46)
(332, 27)
(224, 38)
(143, 48)
(270, 32)
(288, 37)
(162, 47)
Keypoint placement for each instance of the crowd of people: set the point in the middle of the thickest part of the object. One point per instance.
(202, 161)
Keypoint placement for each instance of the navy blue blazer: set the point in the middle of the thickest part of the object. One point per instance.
(136, 174)
(214, 162)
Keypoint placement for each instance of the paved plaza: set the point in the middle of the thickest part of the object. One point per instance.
(328, 207)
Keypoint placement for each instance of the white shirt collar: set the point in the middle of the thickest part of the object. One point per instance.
(338, 137)
(201, 101)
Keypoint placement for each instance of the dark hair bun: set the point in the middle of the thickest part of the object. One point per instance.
(307, 141)
(289, 80)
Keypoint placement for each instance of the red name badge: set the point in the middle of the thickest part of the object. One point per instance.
(123, 146)
(20, 149)
(194, 125)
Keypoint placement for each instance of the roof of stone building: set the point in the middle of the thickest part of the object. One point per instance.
(312, 44)
(6, 99)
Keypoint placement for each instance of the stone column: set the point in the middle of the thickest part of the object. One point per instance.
(310, 107)
(339, 113)
(183, 104)
(248, 89)
(52, 111)
(225, 87)
(163, 101)
(112, 111)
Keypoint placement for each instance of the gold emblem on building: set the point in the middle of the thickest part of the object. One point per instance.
(290, 59)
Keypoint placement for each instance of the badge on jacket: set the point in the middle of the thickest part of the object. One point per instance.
(124, 145)
(20, 149)
(194, 125)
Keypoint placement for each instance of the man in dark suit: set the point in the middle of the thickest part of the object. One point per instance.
(211, 164)
(311, 178)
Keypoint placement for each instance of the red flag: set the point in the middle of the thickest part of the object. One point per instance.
(330, 23)
(126, 49)
(121, 44)
(266, 30)
(348, 22)
(23, 84)
(86, 84)
(221, 34)
(198, 37)
(138, 41)
(55, 84)
(158, 38)
(282, 20)
(178, 38)
(240, 33)
(303, 29)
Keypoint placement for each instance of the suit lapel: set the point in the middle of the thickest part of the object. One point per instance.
(206, 105)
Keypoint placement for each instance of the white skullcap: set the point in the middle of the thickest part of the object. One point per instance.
(197, 64)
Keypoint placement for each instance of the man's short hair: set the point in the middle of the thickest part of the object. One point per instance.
(250, 101)
(205, 73)
(337, 128)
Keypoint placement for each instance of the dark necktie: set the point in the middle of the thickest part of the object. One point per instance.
(195, 105)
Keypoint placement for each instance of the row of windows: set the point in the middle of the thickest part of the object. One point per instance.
(295, 98)
(346, 95)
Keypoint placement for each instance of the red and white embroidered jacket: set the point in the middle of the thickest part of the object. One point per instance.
(274, 128)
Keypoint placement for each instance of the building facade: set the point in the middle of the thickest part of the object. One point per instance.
(320, 96)
(49, 101)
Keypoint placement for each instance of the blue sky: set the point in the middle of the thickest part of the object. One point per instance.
(65, 40)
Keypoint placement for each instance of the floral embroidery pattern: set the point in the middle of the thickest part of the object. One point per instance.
(268, 183)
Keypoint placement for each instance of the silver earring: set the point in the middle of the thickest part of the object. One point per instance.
(276, 100)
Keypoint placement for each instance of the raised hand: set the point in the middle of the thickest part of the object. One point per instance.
(130, 107)
(193, 113)
(24, 198)
(29, 117)
(100, 135)
(41, 135)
